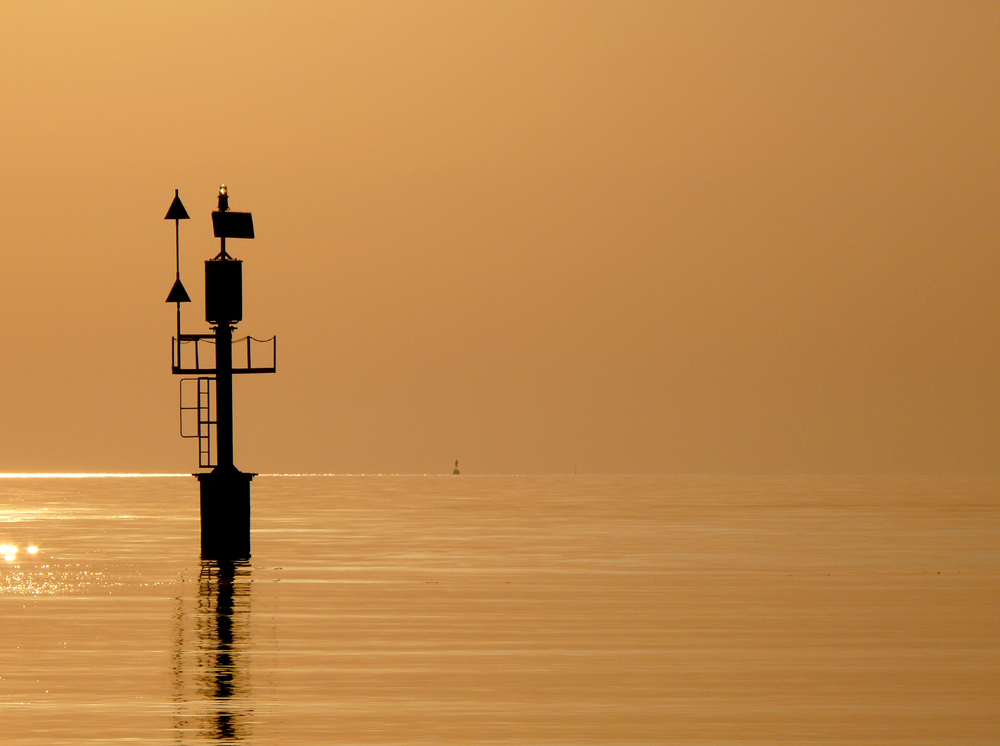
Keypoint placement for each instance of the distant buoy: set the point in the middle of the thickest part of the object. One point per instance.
(456, 467)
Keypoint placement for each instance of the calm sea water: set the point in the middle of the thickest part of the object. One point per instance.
(513, 610)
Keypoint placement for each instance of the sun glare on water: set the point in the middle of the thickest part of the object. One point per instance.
(9, 551)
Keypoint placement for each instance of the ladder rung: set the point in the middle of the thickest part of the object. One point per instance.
(205, 422)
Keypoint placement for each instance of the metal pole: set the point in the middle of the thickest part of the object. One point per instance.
(177, 231)
(224, 394)
(177, 238)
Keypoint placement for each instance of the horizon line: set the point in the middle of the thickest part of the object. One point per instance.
(94, 475)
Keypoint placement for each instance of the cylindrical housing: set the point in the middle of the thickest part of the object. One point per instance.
(223, 291)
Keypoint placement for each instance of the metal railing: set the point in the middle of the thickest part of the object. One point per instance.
(186, 355)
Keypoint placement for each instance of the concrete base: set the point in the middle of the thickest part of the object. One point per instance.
(225, 514)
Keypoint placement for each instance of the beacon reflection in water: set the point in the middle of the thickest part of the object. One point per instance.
(210, 678)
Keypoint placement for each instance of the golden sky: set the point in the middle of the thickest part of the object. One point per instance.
(637, 237)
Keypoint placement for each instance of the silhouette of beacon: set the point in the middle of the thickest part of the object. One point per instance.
(206, 391)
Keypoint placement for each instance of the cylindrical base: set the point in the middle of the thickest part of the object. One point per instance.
(225, 514)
